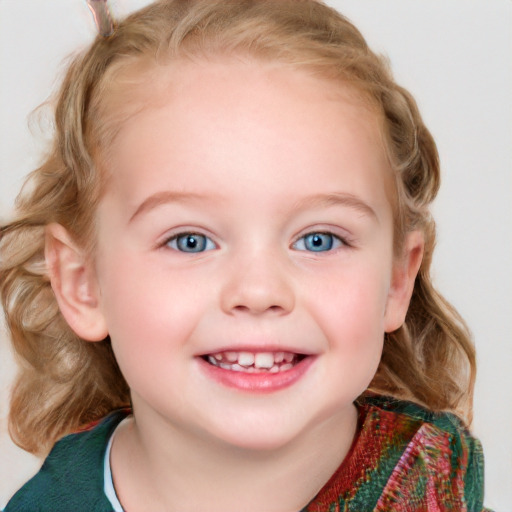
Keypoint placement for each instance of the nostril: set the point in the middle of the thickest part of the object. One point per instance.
(241, 308)
(247, 309)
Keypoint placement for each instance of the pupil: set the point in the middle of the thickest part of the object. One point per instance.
(317, 241)
(191, 242)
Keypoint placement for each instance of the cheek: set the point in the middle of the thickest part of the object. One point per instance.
(351, 301)
(150, 316)
(351, 317)
(144, 303)
(354, 325)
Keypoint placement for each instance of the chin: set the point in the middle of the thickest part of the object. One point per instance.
(258, 436)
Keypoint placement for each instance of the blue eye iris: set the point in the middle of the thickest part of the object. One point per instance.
(191, 242)
(317, 242)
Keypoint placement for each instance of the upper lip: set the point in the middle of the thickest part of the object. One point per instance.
(263, 348)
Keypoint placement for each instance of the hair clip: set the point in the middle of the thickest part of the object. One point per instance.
(102, 17)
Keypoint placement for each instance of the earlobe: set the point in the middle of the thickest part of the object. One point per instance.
(405, 271)
(74, 284)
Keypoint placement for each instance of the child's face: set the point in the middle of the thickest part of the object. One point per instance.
(247, 213)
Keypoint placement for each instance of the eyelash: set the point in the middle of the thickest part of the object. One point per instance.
(310, 242)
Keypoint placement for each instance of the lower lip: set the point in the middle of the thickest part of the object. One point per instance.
(264, 382)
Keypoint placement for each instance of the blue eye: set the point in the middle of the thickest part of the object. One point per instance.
(317, 242)
(191, 242)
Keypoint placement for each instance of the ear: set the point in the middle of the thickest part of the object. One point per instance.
(74, 283)
(405, 270)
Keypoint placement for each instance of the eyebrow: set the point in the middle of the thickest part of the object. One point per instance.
(165, 197)
(337, 199)
(317, 200)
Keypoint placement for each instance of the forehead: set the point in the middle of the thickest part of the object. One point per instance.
(233, 114)
(142, 83)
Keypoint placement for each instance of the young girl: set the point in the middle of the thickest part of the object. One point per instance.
(218, 281)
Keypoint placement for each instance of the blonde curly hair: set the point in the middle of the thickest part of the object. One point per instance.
(64, 381)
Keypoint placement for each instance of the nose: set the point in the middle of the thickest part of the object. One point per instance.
(258, 284)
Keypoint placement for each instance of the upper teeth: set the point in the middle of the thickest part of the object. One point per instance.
(241, 361)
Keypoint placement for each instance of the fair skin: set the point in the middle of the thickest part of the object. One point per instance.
(282, 180)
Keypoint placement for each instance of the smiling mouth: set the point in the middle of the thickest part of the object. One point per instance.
(254, 362)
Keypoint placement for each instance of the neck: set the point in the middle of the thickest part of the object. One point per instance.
(168, 469)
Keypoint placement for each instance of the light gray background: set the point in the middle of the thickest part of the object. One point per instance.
(456, 58)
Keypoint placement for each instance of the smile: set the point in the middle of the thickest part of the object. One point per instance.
(260, 372)
(250, 362)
